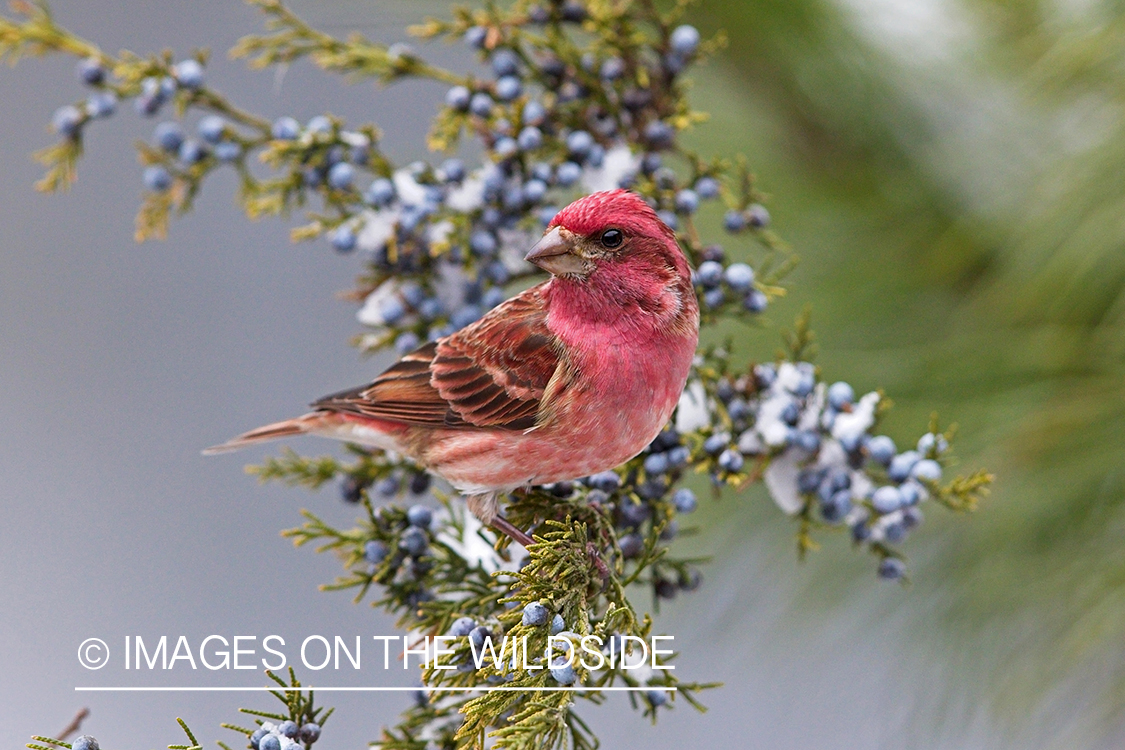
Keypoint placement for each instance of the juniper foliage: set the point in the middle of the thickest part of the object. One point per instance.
(585, 96)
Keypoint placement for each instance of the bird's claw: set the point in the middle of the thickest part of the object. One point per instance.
(504, 526)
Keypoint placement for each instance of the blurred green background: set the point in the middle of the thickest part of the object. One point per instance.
(952, 175)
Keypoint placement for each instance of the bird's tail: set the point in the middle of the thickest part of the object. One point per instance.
(289, 428)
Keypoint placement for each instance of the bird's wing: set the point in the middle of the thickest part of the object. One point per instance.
(493, 373)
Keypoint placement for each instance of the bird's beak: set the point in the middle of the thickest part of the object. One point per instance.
(555, 253)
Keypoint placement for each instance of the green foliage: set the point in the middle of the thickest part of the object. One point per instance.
(969, 266)
(577, 567)
(293, 39)
(294, 470)
(298, 706)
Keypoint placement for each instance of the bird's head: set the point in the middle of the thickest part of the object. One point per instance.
(615, 229)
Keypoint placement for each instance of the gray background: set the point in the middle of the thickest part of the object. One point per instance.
(119, 361)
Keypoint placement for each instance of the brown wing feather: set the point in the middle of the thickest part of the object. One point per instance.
(490, 374)
(403, 393)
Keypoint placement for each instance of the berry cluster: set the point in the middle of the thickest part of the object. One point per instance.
(548, 126)
(445, 242)
(716, 281)
(476, 633)
(388, 487)
(564, 660)
(644, 502)
(284, 736)
(217, 140)
(813, 445)
(578, 97)
(401, 555)
(150, 93)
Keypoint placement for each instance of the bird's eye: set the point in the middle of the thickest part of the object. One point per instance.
(612, 238)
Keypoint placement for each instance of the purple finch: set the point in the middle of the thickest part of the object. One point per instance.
(572, 377)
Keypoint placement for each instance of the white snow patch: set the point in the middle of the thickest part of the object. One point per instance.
(749, 444)
(850, 425)
(772, 428)
(409, 191)
(619, 163)
(356, 140)
(378, 227)
(781, 481)
(473, 548)
(370, 314)
(438, 234)
(692, 412)
(468, 196)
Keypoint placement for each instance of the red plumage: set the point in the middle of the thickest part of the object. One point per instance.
(574, 376)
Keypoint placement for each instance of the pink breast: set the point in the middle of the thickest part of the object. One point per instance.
(619, 401)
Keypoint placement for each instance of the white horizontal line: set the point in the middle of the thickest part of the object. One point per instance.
(448, 689)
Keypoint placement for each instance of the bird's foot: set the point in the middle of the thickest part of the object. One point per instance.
(486, 507)
(504, 526)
